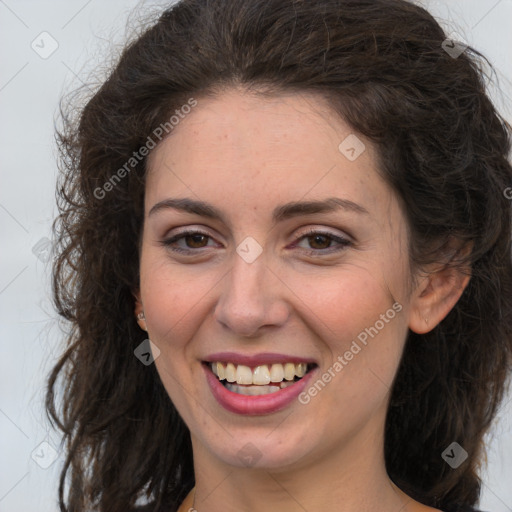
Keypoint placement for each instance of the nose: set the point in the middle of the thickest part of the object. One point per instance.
(252, 298)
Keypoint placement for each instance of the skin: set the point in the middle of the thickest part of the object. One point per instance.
(247, 154)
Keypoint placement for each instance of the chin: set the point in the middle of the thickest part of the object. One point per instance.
(265, 451)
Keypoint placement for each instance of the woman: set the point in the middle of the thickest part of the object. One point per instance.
(302, 205)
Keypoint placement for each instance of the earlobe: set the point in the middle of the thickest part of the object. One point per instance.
(435, 296)
(139, 311)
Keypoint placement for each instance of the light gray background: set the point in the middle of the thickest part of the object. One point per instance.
(30, 88)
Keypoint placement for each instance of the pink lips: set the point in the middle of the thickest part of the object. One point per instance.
(260, 404)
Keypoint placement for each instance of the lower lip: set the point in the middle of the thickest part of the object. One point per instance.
(255, 405)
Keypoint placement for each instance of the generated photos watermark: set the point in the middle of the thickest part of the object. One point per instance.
(137, 156)
(354, 349)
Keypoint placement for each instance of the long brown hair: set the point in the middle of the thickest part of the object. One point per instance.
(442, 146)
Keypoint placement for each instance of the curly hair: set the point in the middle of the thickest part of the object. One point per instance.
(441, 145)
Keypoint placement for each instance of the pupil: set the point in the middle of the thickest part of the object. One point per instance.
(320, 237)
(196, 239)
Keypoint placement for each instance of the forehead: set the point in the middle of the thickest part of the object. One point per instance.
(243, 149)
(244, 122)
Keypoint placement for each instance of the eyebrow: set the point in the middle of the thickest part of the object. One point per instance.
(280, 213)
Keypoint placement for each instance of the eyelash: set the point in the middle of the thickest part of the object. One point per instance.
(343, 242)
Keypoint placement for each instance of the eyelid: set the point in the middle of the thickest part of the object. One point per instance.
(185, 230)
(325, 231)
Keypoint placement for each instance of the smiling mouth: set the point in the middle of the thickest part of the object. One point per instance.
(260, 380)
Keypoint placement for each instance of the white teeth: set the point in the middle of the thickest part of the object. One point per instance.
(243, 374)
(300, 369)
(230, 372)
(289, 371)
(276, 373)
(221, 373)
(261, 375)
(252, 390)
(257, 390)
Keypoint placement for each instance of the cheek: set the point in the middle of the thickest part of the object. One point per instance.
(171, 297)
(171, 300)
(364, 330)
(349, 300)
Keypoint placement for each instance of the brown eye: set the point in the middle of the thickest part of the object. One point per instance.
(319, 240)
(193, 240)
(322, 242)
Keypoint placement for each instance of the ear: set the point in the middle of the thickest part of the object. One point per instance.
(139, 311)
(436, 293)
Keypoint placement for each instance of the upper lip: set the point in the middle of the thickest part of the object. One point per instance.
(256, 359)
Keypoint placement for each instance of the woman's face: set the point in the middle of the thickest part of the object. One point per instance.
(255, 289)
